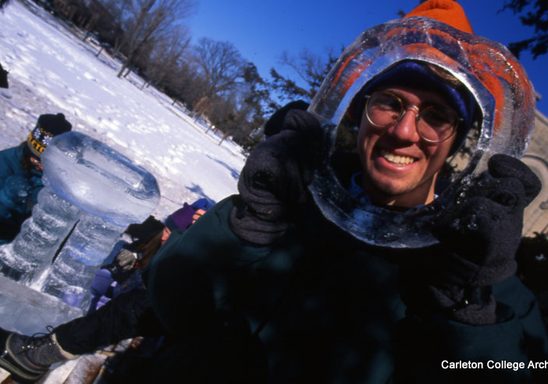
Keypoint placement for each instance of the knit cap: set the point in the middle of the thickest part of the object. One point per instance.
(145, 231)
(47, 127)
(451, 13)
(447, 11)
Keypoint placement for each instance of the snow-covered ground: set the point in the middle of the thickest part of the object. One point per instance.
(51, 71)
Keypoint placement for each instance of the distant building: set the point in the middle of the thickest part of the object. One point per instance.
(536, 214)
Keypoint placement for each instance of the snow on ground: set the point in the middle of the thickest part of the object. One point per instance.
(51, 70)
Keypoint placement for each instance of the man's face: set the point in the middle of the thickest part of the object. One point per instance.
(400, 168)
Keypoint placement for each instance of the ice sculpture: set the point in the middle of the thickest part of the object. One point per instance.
(91, 194)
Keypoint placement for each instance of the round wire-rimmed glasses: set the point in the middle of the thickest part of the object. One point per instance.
(435, 123)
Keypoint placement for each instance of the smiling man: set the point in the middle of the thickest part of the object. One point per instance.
(267, 288)
(401, 162)
(408, 128)
(311, 299)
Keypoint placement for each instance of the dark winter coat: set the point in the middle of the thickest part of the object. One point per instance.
(320, 307)
(19, 189)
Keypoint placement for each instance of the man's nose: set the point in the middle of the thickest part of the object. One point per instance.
(406, 128)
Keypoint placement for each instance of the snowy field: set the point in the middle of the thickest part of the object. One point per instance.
(52, 70)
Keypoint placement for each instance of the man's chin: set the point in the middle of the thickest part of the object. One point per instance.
(390, 194)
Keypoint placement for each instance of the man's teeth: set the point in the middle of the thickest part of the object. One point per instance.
(397, 159)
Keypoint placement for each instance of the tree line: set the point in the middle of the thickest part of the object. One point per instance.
(211, 78)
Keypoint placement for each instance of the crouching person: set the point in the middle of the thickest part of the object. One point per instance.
(128, 314)
(21, 174)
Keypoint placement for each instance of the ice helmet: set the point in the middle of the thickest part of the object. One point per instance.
(436, 33)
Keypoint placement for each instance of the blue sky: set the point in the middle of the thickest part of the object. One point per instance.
(262, 30)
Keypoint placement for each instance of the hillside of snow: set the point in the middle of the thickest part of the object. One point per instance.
(52, 70)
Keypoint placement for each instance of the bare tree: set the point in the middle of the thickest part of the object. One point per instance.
(220, 64)
(3, 3)
(310, 69)
(186, 83)
(166, 55)
(148, 18)
(241, 111)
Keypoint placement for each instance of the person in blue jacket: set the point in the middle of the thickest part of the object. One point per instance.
(21, 174)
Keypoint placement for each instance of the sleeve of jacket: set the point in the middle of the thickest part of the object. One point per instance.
(456, 351)
(186, 280)
(13, 214)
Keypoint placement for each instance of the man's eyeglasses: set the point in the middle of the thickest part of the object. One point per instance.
(435, 123)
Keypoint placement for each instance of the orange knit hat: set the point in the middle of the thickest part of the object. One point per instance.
(446, 11)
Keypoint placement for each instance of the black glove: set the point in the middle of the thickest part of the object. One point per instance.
(123, 265)
(483, 231)
(126, 260)
(282, 119)
(273, 182)
(479, 234)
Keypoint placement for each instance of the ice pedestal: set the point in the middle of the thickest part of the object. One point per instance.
(92, 194)
(27, 311)
(73, 271)
(31, 251)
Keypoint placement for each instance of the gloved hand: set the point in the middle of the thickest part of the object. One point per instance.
(123, 265)
(483, 231)
(479, 235)
(125, 260)
(273, 181)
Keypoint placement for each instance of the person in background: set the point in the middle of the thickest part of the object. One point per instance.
(126, 314)
(120, 273)
(21, 174)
